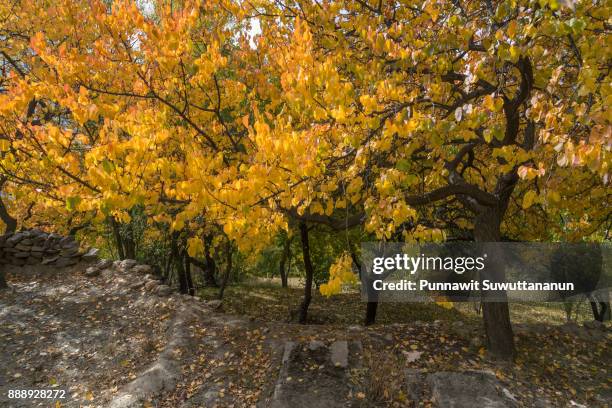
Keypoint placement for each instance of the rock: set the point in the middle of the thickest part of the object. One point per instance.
(214, 304)
(13, 240)
(163, 290)
(299, 386)
(70, 246)
(92, 271)
(127, 264)
(594, 325)
(339, 354)
(543, 403)
(21, 255)
(70, 252)
(142, 269)
(69, 240)
(104, 263)
(137, 285)
(149, 277)
(150, 285)
(37, 249)
(571, 328)
(20, 246)
(467, 389)
(49, 260)
(414, 380)
(66, 261)
(91, 255)
(315, 345)
(32, 261)
(476, 342)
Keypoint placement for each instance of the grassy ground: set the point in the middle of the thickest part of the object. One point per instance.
(553, 364)
(270, 302)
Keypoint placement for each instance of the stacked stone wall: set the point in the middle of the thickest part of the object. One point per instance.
(35, 247)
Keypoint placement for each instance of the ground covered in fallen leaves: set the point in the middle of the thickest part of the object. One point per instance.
(87, 336)
(558, 363)
(92, 336)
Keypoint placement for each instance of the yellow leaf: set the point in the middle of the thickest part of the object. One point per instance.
(512, 27)
(432, 11)
(5, 145)
(195, 246)
(528, 199)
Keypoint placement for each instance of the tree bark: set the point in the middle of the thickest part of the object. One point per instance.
(370, 316)
(372, 305)
(496, 314)
(228, 269)
(3, 284)
(168, 266)
(210, 269)
(179, 264)
(190, 287)
(129, 243)
(303, 316)
(118, 241)
(9, 221)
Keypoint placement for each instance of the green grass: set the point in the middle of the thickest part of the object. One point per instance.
(270, 302)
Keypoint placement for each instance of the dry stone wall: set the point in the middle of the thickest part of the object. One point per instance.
(35, 247)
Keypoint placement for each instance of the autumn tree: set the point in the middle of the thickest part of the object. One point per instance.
(407, 119)
(417, 109)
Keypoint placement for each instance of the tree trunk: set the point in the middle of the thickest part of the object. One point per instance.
(303, 316)
(190, 287)
(228, 269)
(496, 314)
(3, 284)
(179, 264)
(370, 316)
(168, 266)
(129, 243)
(118, 241)
(209, 270)
(283, 261)
(9, 221)
(372, 305)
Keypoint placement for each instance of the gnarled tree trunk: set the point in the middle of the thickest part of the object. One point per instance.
(9, 221)
(117, 234)
(496, 314)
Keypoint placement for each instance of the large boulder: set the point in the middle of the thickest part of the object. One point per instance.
(468, 389)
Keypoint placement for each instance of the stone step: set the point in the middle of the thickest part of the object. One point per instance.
(313, 374)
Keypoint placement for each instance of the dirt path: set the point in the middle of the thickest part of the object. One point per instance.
(83, 335)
